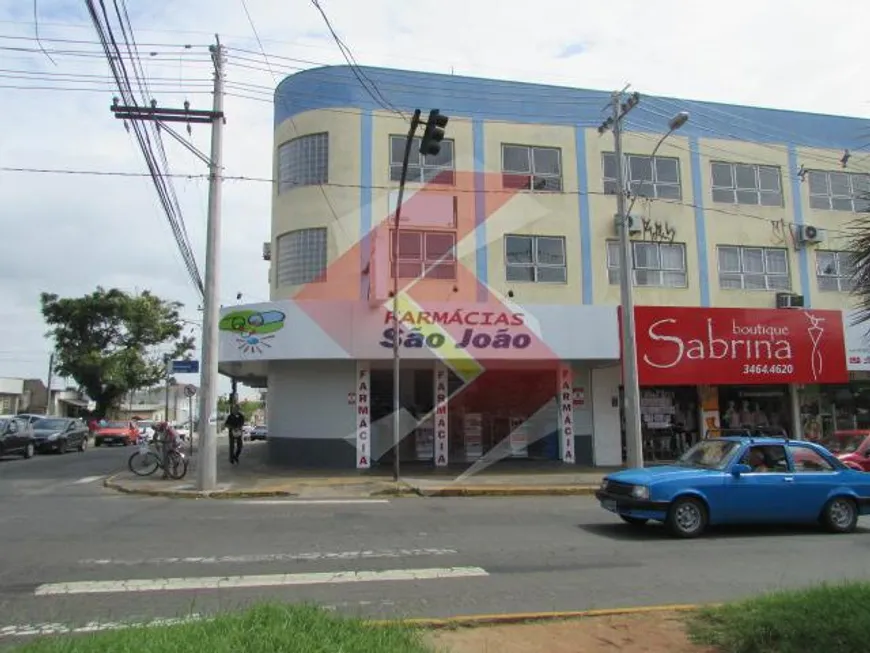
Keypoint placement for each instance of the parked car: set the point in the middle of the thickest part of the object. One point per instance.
(259, 432)
(146, 429)
(123, 433)
(60, 434)
(16, 437)
(30, 418)
(183, 431)
(730, 480)
(852, 447)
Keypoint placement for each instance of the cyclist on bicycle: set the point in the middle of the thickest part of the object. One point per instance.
(163, 432)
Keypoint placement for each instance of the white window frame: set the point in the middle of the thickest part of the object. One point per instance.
(735, 191)
(535, 264)
(289, 271)
(531, 173)
(842, 283)
(613, 268)
(425, 264)
(742, 274)
(858, 202)
(418, 161)
(312, 162)
(642, 187)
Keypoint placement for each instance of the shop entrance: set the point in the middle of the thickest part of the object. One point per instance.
(416, 400)
(669, 421)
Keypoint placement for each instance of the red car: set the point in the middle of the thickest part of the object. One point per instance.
(123, 433)
(852, 447)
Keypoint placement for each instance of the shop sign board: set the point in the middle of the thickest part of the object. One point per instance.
(442, 417)
(363, 418)
(565, 393)
(857, 342)
(739, 346)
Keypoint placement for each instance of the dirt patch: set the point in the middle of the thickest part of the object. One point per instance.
(661, 632)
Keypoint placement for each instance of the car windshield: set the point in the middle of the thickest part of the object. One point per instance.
(50, 424)
(3, 423)
(115, 425)
(709, 454)
(844, 443)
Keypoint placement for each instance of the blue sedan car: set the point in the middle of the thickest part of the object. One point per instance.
(741, 480)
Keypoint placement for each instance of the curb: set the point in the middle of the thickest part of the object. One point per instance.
(504, 619)
(404, 491)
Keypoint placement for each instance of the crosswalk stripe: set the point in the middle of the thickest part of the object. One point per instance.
(308, 502)
(88, 479)
(265, 580)
(28, 630)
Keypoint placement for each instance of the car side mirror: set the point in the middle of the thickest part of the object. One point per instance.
(740, 468)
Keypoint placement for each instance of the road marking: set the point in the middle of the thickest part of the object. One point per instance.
(88, 479)
(313, 556)
(28, 630)
(265, 580)
(308, 502)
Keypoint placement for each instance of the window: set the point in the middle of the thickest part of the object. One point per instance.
(807, 460)
(537, 259)
(753, 268)
(429, 254)
(742, 183)
(839, 191)
(304, 161)
(432, 169)
(526, 167)
(646, 177)
(301, 257)
(655, 264)
(767, 458)
(835, 271)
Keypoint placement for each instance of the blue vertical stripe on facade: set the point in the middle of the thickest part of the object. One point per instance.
(585, 217)
(365, 197)
(700, 224)
(803, 254)
(480, 256)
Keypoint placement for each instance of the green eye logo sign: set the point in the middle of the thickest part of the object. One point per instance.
(253, 329)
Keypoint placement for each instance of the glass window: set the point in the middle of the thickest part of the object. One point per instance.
(646, 178)
(304, 161)
(432, 169)
(839, 191)
(806, 459)
(536, 259)
(302, 257)
(742, 183)
(753, 268)
(527, 167)
(430, 254)
(835, 271)
(655, 264)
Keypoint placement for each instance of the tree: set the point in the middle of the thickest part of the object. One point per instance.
(112, 342)
(247, 406)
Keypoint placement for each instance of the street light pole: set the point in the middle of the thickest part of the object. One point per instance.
(630, 380)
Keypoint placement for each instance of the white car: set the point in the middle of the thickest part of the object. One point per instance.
(146, 429)
(183, 431)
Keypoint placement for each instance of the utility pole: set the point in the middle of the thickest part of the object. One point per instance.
(48, 403)
(631, 388)
(207, 468)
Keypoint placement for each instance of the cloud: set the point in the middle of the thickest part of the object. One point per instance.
(69, 234)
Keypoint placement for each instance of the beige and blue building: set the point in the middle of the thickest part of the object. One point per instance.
(743, 208)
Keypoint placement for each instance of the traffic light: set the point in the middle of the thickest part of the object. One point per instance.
(430, 145)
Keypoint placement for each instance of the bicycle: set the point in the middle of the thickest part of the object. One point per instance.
(145, 462)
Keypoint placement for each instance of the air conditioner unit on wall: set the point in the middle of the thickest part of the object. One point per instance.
(810, 234)
(789, 300)
(634, 224)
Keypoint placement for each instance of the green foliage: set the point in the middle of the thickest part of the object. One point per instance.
(262, 629)
(824, 618)
(247, 406)
(112, 342)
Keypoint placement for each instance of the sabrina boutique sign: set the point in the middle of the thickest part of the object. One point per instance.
(734, 346)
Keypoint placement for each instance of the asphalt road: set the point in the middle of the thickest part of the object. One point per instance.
(69, 551)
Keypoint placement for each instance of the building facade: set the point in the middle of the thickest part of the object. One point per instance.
(509, 276)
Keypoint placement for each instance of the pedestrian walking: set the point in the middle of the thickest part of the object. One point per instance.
(234, 423)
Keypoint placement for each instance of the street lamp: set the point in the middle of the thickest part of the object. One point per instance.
(631, 385)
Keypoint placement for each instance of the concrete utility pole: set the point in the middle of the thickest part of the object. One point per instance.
(207, 469)
(48, 404)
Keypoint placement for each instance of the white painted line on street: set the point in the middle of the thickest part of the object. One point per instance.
(29, 630)
(88, 479)
(308, 502)
(266, 580)
(313, 556)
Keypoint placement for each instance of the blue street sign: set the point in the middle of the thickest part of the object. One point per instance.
(185, 367)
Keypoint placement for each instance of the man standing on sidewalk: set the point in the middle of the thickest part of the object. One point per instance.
(235, 421)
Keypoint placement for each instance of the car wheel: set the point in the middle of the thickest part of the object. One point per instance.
(687, 518)
(83, 445)
(29, 450)
(840, 515)
(634, 521)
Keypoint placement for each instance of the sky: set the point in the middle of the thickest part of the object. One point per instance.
(67, 234)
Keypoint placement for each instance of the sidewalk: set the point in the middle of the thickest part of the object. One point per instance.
(255, 478)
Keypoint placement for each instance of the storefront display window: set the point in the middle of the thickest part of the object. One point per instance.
(826, 409)
(669, 419)
(754, 408)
